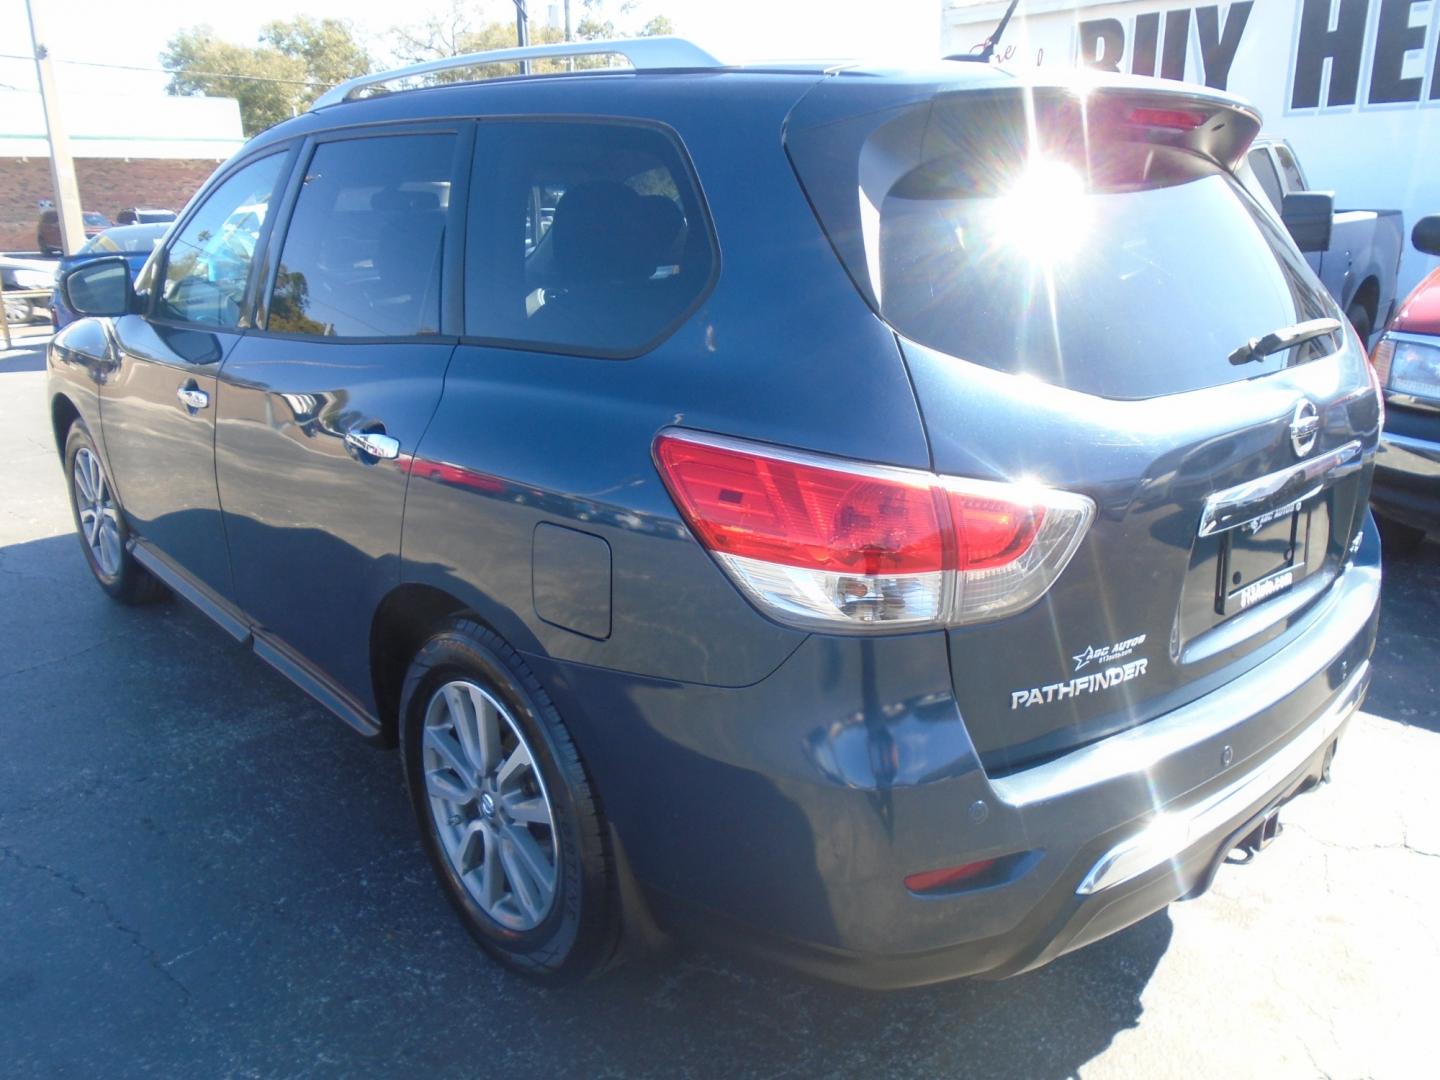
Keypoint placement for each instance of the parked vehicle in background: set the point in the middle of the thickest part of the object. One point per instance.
(133, 242)
(1361, 259)
(960, 607)
(20, 276)
(137, 216)
(48, 233)
(1406, 494)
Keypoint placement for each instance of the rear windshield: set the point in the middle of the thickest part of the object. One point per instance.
(1086, 254)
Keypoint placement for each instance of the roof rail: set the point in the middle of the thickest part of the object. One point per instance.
(647, 53)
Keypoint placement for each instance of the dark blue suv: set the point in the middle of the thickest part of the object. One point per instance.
(911, 523)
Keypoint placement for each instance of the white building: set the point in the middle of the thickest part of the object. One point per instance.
(1353, 84)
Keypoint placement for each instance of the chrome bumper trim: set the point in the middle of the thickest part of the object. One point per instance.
(1171, 832)
(1352, 601)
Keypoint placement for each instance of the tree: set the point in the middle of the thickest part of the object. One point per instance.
(273, 80)
(327, 47)
(455, 32)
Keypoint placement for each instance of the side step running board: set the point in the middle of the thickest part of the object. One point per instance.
(230, 619)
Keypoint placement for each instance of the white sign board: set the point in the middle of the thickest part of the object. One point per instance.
(1353, 84)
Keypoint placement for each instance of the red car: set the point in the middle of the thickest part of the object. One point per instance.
(48, 234)
(1406, 494)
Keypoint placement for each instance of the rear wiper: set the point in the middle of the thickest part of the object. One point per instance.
(1257, 348)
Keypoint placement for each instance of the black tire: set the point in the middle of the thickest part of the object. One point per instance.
(1399, 538)
(1360, 318)
(131, 583)
(579, 935)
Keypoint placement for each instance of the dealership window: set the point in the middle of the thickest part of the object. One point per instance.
(362, 253)
(208, 263)
(583, 237)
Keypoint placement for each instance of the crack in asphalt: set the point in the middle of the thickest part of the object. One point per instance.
(1404, 844)
(58, 659)
(152, 958)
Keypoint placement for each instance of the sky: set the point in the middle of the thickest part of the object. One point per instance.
(135, 32)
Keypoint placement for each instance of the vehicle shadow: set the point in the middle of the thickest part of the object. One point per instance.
(278, 914)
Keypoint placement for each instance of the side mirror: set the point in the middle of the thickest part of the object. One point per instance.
(1426, 235)
(1309, 216)
(99, 288)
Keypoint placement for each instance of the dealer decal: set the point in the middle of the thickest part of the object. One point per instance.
(1107, 654)
(1082, 684)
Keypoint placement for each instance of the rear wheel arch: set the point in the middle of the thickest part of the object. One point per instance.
(403, 621)
(1368, 297)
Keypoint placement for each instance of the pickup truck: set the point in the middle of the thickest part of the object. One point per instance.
(1359, 258)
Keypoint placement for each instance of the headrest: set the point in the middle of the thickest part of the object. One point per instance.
(665, 221)
(392, 201)
(604, 235)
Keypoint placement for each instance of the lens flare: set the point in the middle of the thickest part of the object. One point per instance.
(1045, 215)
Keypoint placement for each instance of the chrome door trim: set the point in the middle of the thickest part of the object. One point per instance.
(193, 397)
(374, 443)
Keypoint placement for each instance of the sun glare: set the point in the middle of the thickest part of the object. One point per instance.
(1045, 215)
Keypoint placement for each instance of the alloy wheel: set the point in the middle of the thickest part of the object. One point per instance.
(98, 514)
(489, 805)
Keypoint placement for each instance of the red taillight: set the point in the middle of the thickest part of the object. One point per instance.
(1178, 119)
(933, 880)
(991, 532)
(783, 511)
(816, 542)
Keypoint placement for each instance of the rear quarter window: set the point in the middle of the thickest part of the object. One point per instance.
(584, 237)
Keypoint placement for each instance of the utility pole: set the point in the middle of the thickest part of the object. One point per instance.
(569, 35)
(522, 32)
(62, 166)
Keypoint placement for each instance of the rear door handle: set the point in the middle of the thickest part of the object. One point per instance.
(374, 443)
(193, 398)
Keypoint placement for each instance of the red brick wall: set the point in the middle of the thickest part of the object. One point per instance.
(106, 184)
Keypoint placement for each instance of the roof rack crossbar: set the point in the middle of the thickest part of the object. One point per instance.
(649, 53)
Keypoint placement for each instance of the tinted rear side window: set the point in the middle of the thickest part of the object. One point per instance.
(363, 249)
(583, 237)
(1090, 256)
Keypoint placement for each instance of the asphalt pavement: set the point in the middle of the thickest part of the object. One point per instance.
(203, 873)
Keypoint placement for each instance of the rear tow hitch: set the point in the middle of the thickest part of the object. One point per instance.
(1263, 835)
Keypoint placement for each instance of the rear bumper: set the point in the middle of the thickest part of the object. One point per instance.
(784, 817)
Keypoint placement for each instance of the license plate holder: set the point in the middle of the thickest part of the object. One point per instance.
(1260, 558)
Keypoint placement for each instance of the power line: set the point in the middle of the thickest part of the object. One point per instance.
(172, 71)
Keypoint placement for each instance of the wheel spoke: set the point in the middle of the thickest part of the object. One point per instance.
(487, 724)
(462, 713)
(471, 847)
(444, 744)
(519, 759)
(82, 482)
(526, 890)
(529, 851)
(88, 523)
(109, 549)
(529, 811)
(441, 783)
(492, 874)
